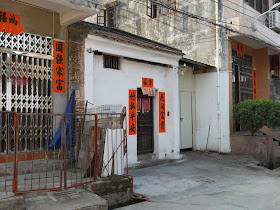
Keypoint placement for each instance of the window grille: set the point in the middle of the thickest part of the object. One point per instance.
(156, 8)
(259, 5)
(111, 62)
(27, 43)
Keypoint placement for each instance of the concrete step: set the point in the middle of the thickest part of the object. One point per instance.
(55, 200)
(66, 199)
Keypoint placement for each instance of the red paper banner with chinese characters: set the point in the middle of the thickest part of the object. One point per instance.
(254, 84)
(240, 51)
(132, 112)
(59, 66)
(146, 104)
(161, 112)
(10, 23)
(147, 82)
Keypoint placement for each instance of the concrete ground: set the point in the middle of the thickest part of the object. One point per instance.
(207, 181)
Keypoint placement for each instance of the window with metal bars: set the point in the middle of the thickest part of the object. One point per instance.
(108, 17)
(156, 8)
(111, 62)
(259, 5)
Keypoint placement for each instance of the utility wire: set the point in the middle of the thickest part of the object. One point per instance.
(208, 20)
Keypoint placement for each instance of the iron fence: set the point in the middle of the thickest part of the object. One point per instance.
(41, 151)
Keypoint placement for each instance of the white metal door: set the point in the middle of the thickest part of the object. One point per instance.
(186, 133)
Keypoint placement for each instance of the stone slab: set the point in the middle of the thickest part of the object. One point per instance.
(66, 199)
(12, 203)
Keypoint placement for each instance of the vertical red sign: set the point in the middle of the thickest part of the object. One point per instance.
(240, 50)
(59, 66)
(147, 82)
(132, 112)
(254, 84)
(162, 112)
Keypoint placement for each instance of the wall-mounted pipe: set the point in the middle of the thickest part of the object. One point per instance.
(218, 73)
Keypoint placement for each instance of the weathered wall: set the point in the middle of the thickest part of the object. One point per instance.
(206, 121)
(108, 86)
(45, 23)
(258, 147)
(261, 64)
(195, 38)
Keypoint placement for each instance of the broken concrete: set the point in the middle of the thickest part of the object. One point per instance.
(115, 189)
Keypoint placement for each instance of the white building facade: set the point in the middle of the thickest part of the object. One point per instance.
(112, 68)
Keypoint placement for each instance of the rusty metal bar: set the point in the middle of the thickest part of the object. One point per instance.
(62, 175)
(15, 181)
(63, 149)
(96, 145)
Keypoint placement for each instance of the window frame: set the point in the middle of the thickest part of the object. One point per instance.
(106, 19)
(254, 6)
(154, 10)
(110, 64)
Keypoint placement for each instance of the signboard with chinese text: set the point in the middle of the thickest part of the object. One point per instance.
(240, 50)
(132, 112)
(146, 104)
(10, 23)
(162, 112)
(147, 82)
(254, 84)
(59, 66)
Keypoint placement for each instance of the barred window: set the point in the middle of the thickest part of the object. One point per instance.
(156, 8)
(259, 5)
(111, 62)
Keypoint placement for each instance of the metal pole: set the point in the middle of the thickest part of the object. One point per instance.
(218, 73)
(96, 150)
(15, 180)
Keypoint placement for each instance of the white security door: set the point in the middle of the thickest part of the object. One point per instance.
(186, 140)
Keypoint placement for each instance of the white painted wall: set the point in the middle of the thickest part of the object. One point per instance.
(108, 86)
(206, 111)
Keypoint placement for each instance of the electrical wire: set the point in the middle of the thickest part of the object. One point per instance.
(208, 20)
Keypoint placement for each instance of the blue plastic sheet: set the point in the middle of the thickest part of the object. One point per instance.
(70, 130)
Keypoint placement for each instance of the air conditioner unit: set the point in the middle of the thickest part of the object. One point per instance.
(274, 20)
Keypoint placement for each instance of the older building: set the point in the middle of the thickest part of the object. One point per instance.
(189, 26)
(118, 67)
(254, 51)
(231, 54)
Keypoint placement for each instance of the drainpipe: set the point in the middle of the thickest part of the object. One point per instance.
(218, 74)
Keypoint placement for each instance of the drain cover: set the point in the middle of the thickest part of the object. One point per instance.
(203, 180)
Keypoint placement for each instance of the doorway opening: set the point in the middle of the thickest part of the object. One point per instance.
(242, 81)
(145, 123)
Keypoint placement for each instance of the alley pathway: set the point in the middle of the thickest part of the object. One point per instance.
(207, 181)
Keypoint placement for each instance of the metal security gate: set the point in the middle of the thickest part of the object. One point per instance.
(242, 80)
(26, 86)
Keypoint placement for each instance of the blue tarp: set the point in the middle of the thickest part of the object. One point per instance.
(69, 119)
